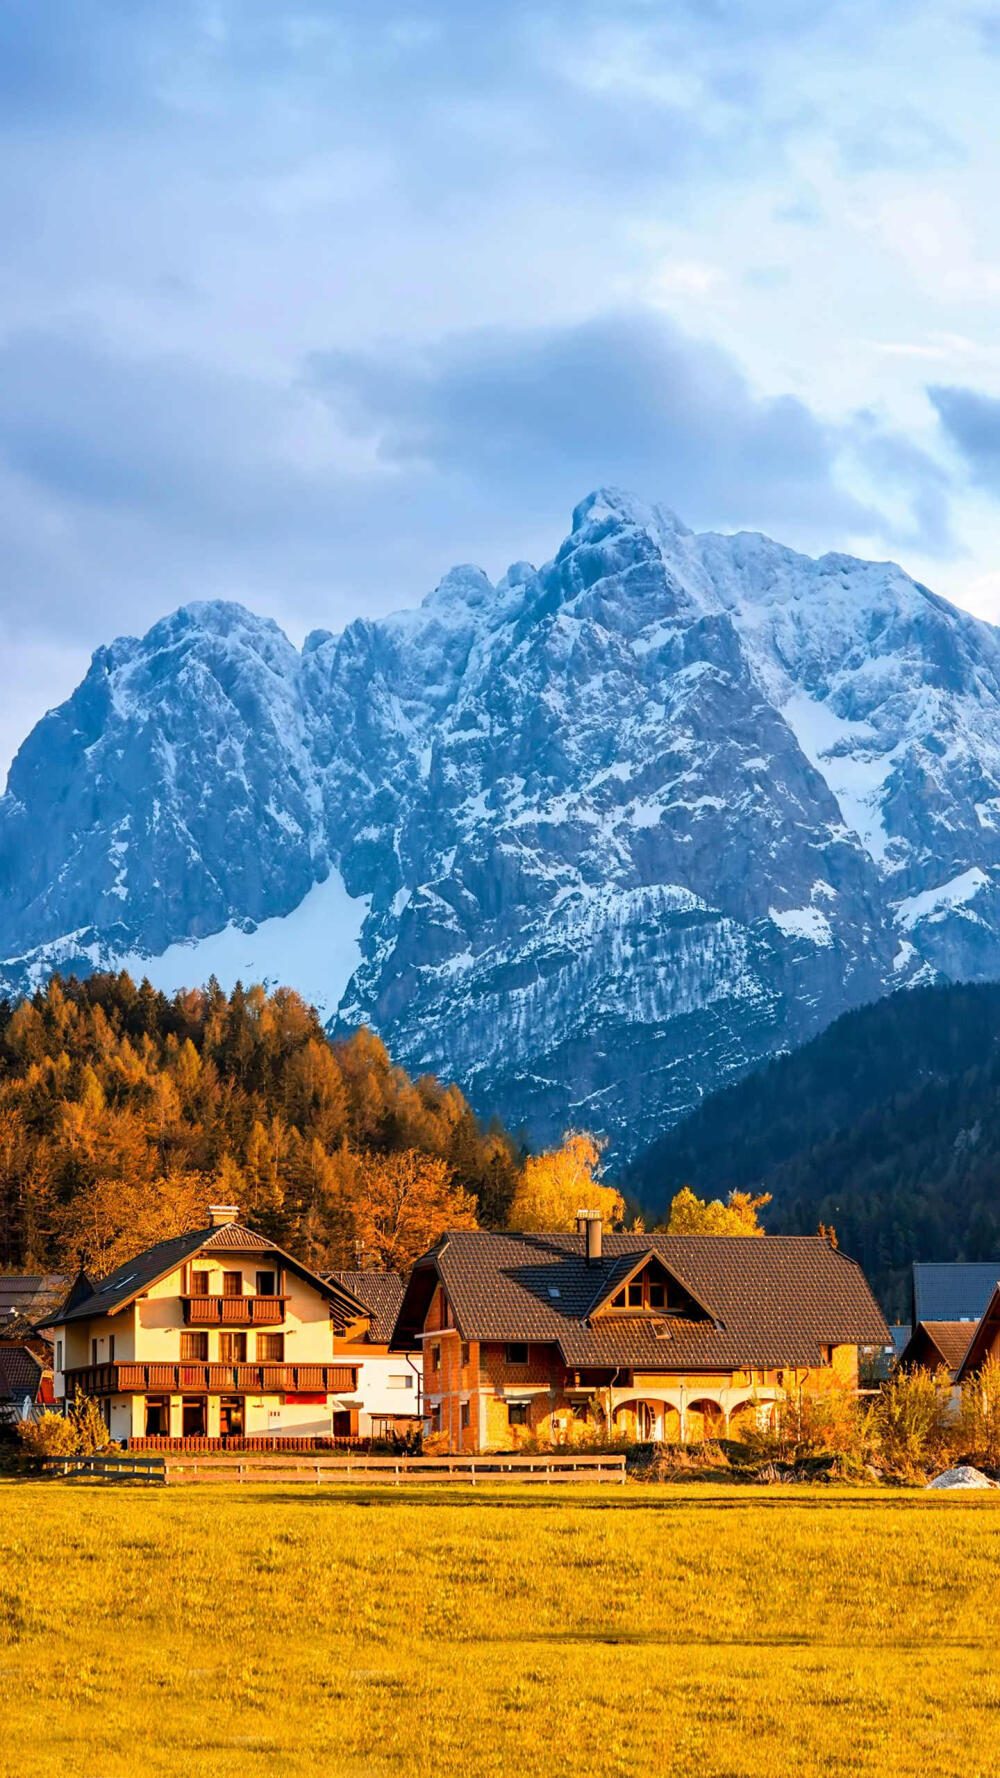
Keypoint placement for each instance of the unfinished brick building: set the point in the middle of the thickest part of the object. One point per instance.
(657, 1336)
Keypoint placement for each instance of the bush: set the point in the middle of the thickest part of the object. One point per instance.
(91, 1433)
(979, 1416)
(913, 1423)
(80, 1433)
(50, 1436)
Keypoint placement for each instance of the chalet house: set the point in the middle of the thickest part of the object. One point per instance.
(665, 1337)
(216, 1332)
(388, 1389)
(26, 1384)
(937, 1345)
(983, 1340)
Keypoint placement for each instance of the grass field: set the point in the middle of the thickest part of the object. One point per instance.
(214, 1630)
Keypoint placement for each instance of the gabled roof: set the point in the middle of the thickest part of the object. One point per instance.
(623, 1269)
(775, 1300)
(20, 1373)
(934, 1344)
(952, 1290)
(137, 1275)
(981, 1337)
(380, 1294)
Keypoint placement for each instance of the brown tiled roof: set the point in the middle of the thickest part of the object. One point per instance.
(981, 1338)
(243, 1240)
(381, 1293)
(935, 1343)
(774, 1300)
(130, 1279)
(20, 1373)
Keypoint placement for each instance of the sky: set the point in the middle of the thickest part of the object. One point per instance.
(302, 304)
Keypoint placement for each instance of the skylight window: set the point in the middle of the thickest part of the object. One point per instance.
(553, 1290)
(118, 1283)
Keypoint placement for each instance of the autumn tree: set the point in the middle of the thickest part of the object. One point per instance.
(554, 1186)
(402, 1203)
(694, 1216)
(111, 1220)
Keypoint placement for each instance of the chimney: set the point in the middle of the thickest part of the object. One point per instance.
(588, 1223)
(220, 1215)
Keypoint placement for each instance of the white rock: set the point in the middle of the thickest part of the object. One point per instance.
(964, 1476)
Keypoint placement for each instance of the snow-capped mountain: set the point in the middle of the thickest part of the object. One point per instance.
(592, 841)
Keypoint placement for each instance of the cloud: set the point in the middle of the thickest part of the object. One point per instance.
(972, 422)
(542, 414)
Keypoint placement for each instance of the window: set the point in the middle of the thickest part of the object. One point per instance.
(232, 1283)
(232, 1348)
(465, 1352)
(579, 1410)
(111, 1347)
(270, 1348)
(93, 1351)
(465, 1415)
(59, 1352)
(400, 1380)
(266, 1284)
(517, 1352)
(199, 1283)
(644, 1292)
(433, 1357)
(194, 1348)
(517, 1413)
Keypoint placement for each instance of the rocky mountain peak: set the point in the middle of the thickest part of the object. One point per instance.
(592, 840)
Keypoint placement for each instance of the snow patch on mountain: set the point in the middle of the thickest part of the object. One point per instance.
(316, 949)
(937, 903)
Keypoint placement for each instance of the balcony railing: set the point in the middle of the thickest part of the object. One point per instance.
(212, 1379)
(239, 1311)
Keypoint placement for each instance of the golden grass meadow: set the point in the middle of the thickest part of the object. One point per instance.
(650, 1629)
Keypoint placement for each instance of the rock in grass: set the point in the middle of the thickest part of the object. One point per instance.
(964, 1476)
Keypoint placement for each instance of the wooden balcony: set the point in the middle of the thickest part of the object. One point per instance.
(212, 1379)
(234, 1311)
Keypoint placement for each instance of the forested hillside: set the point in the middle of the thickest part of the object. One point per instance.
(123, 1114)
(887, 1127)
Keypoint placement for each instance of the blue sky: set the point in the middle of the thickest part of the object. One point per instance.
(300, 304)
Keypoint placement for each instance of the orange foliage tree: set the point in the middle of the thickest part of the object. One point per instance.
(555, 1185)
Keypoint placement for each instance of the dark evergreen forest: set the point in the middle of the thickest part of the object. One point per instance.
(885, 1127)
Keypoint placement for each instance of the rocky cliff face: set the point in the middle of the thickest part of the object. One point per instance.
(593, 841)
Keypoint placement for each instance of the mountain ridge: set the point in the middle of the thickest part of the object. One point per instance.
(592, 840)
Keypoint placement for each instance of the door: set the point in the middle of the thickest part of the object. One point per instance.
(231, 1416)
(193, 1416)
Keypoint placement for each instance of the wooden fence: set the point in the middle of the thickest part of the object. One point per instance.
(237, 1441)
(250, 1466)
(192, 1466)
(109, 1467)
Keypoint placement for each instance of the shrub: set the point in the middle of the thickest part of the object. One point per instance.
(49, 1436)
(912, 1421)
(91, 1433)
(979, 1416)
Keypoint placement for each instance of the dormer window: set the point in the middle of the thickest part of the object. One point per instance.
(648, 1290)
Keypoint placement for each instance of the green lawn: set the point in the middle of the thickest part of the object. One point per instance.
(646, 1630)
